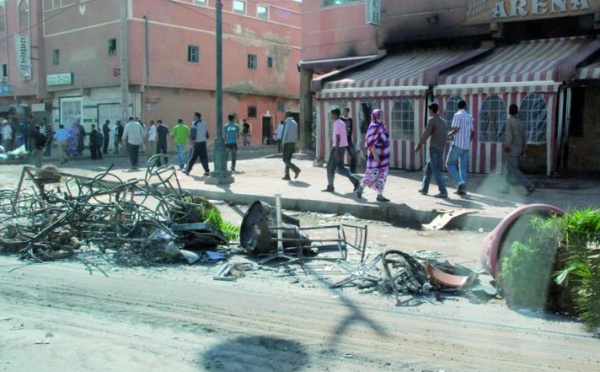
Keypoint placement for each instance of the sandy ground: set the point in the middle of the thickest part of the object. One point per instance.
(90, 315)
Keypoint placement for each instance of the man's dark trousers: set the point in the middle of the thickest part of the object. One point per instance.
(288, 152)
(338, 164)
(199, 151)
(134, 151)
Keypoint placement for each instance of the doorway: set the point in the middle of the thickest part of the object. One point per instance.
(267, 130)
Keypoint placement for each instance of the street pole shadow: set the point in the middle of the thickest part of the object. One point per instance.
(256, 354)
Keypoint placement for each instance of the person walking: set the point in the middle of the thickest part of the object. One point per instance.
(118, 135)
(462, 135)
(162, 132)
(49, 133)
(133, 137)
(279, 133)
(106, 134)
(349, 131)
(7, 135)
(81, 141)
(180, 134)
(94, 145)
(231, 132)
(245, 132)
(61, 136)
(39, 142)
(152, 137)
(515, 147)
(199, 136)
(289, 137)
(377, 143)
(436, 129)
(73, 140)
(339, 142)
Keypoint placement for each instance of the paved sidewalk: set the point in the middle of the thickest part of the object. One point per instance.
(260, 178)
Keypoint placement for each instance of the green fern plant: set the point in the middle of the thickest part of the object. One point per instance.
(580, 231)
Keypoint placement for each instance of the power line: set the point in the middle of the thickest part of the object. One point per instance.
(184, 6)
(41, 22)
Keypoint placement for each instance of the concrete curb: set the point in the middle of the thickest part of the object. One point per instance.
(395, 214)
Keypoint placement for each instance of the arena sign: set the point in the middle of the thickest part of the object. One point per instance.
(485, 11)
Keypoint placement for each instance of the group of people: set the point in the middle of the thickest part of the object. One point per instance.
(377, 146)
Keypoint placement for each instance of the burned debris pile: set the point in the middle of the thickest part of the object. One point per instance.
(52, 214)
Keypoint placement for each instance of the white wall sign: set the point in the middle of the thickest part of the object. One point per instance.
(23, 55)
(59, 79)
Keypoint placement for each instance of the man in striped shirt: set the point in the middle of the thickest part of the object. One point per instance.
(462, 135)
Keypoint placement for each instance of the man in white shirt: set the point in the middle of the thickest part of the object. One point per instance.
(462, 135)
(339, 142)
(133, 137)
(198, 136)
(152, 138)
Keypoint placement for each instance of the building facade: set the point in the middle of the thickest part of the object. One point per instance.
(542, 56)
(77, 54)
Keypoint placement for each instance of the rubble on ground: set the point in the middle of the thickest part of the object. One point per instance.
(51, 215)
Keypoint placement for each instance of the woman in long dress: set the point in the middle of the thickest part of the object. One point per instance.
(377, 143)
(73, 140)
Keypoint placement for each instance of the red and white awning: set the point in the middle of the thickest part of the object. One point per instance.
(589, 72)
(393, 76)
(530, 66)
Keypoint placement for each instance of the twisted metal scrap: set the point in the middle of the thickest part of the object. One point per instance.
(43, 223)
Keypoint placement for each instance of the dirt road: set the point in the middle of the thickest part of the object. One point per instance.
(64, 317)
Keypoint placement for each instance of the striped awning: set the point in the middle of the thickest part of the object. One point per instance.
(589, 72)
(393, 76)
(530, 66)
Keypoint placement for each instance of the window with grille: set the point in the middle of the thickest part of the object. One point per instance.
(402, 126)
(200, 2)
(492, 120)
(239, 6)
(262, 12)
(24, 16)
(450, 109)
(2, 19)
(112, 47)
(252, 61)
(251, 111)
(193, 53)
(534, 114)
(269, 62)
(56, 57)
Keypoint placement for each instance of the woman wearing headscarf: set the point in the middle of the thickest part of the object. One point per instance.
(377, 143)
(73, 140)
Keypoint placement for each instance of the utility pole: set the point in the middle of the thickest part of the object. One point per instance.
(220, 175)
(124, 61)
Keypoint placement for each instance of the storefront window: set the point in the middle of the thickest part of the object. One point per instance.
(403, 121)
(492, 120)
(534, 113)
(450, 109)
(70, 111)
(364, 114)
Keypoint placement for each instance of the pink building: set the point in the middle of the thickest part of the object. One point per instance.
(401, 55)
(76, 58)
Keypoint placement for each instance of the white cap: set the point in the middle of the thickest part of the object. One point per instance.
(4, 121)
